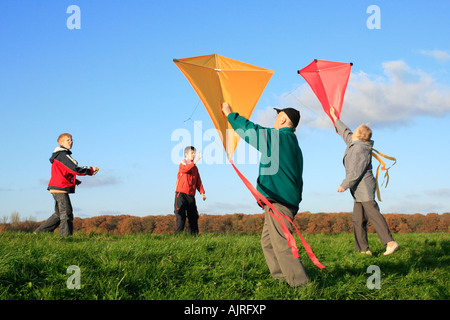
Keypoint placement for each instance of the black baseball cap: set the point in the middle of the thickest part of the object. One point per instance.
(293, 114)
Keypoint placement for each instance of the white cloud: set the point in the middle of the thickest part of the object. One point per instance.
(412, 206)
(99, 181)
(443, 192)
(439, 55)
(266, 118)
(397, 96)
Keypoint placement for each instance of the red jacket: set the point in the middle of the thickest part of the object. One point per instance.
(64, 171)
(188, 179)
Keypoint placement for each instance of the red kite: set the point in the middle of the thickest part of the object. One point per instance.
(328, 80)
(217, 79)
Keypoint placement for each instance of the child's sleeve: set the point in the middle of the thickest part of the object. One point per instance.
(72, 165)
(199, 185)
(343, 131)
(185, 167)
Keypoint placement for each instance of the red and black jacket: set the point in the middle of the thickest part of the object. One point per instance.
(64, 171)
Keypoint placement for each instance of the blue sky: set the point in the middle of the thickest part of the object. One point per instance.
(113, 85)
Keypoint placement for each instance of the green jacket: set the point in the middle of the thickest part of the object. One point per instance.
(281, 165)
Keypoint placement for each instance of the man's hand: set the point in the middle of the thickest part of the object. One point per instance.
(340, 189)
(95, 169)
(226, 109)
(198, 157)
(203, 197)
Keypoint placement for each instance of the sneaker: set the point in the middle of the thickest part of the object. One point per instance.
(391, 249)
(368, 252)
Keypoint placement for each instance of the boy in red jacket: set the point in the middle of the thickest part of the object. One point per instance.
(62, 182)
(188, 180)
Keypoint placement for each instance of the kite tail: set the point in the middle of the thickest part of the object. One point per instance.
(376, 154)
(279, 217)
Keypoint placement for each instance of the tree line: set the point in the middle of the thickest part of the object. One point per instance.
(239, 223)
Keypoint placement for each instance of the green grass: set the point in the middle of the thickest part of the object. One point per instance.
(219, 267)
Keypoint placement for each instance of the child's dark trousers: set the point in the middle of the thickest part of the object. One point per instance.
(63, 216)
(185, 206)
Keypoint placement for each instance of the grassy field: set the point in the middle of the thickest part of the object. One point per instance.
(215, 267)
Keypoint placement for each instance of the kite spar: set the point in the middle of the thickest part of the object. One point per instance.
(218, 79)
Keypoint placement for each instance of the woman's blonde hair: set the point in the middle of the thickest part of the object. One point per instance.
(365, 133)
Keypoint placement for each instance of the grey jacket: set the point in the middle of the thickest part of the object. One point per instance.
(358, 165)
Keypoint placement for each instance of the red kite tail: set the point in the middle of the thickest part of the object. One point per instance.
(279, 217)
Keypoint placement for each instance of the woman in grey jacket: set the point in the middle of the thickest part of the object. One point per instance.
(361, 182)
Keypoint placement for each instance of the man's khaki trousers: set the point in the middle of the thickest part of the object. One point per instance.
(278, 254)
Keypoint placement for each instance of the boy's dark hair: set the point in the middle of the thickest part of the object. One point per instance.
(188, 148)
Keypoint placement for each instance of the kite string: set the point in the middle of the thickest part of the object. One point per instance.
(190, 117)
(199, 127)
(319, 115)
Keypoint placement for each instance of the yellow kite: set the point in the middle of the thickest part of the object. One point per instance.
(217, 79)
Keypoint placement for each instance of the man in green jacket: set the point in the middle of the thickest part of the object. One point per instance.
(280, 181)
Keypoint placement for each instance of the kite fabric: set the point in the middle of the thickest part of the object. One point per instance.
(218, 79)
(328, 80)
